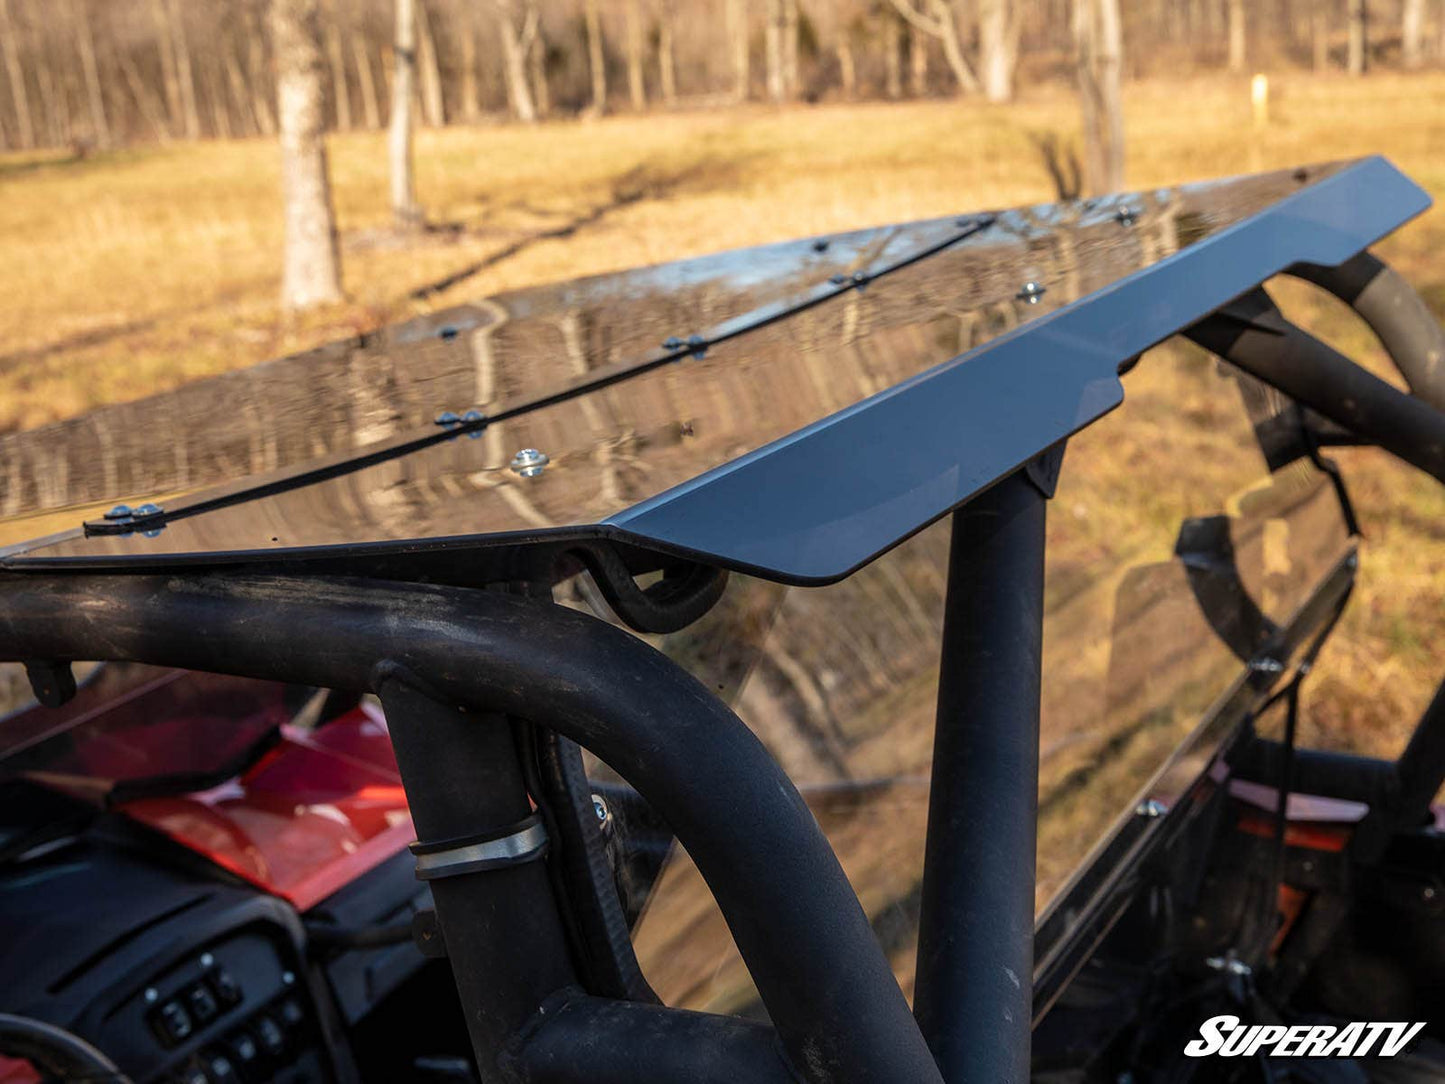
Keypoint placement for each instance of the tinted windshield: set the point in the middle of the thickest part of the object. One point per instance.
(131, 722)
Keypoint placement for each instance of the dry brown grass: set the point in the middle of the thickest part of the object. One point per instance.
(131, 272)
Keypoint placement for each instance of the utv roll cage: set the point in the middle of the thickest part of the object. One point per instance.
(490, 688)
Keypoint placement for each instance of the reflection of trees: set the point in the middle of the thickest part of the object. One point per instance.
(342, 397)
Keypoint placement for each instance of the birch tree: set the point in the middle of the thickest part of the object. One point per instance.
(998, 30)
(938, 20)
(1412, 32)
(737, 17)
(1099, 58)
(596, 57)
(1357, 57)
(311, 274)
(1238, 42)
(636, 86)
(517, 45)
(404, 210)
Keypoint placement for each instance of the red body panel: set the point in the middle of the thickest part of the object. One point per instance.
(315, 813)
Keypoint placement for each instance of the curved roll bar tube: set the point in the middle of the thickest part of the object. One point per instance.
(1396, 314)
(837, 1008)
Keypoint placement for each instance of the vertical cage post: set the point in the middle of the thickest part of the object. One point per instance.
(498, 918)
(974, 994)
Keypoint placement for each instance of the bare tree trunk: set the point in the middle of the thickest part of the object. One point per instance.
(1358, 58)
(52, 103)
(1412, 33)
(85, 41)
(636, 85)
(404, 209)
(790, 48)
(515, 49)
(666, 56)
(471, 104)
(165, 40)
(537, 66)
(24, 121)
(997, 49)
(938, 21)
(256, 66)
(220, 113)
(892, 47)
(184, 75)
(917, 62)
(847, 69)
(433, 103)
(336, 56)
(596, 58)
(1319, 38)
(151, 109)
(773, 42)
(738, 35)
(1238, 44)
(1099, 46)
(366, 79)
(312, 273)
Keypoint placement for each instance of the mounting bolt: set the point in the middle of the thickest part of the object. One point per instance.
(288, 978)
(207, 959)
(1151, 808)
(1428, 892)
(448, 418)
(120, 511)
(1266, 665)
(672, 342)
(1126, 215)
(697, 345)
(529, 462)
(1230, 964)
(838, 280)
(599, 806)
(152, 995)
(1031, 291)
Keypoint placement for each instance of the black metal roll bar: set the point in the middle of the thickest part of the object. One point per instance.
(1397, 315)
(450, 664)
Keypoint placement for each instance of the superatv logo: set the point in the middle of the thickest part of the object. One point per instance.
(1226, 1037)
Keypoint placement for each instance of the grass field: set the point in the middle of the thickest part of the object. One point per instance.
(131, 272)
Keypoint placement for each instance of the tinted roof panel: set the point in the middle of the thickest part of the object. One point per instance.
(765, 409)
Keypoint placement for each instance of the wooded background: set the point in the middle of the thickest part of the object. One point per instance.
(84, 73)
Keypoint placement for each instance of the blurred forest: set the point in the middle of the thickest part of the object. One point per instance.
(84, 74)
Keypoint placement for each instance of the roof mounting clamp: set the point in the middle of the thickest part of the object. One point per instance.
(123, 519)
(525, 841)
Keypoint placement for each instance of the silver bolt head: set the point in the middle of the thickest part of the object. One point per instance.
(1031, 291)
(447, 417)
(599, 806)
(148, 510)
(120, 511)
(1151, 808)
(1266, 665)
(207, 959)
(529, 462)
(152, 995)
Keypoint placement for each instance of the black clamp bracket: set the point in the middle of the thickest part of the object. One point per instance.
(525, 841)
